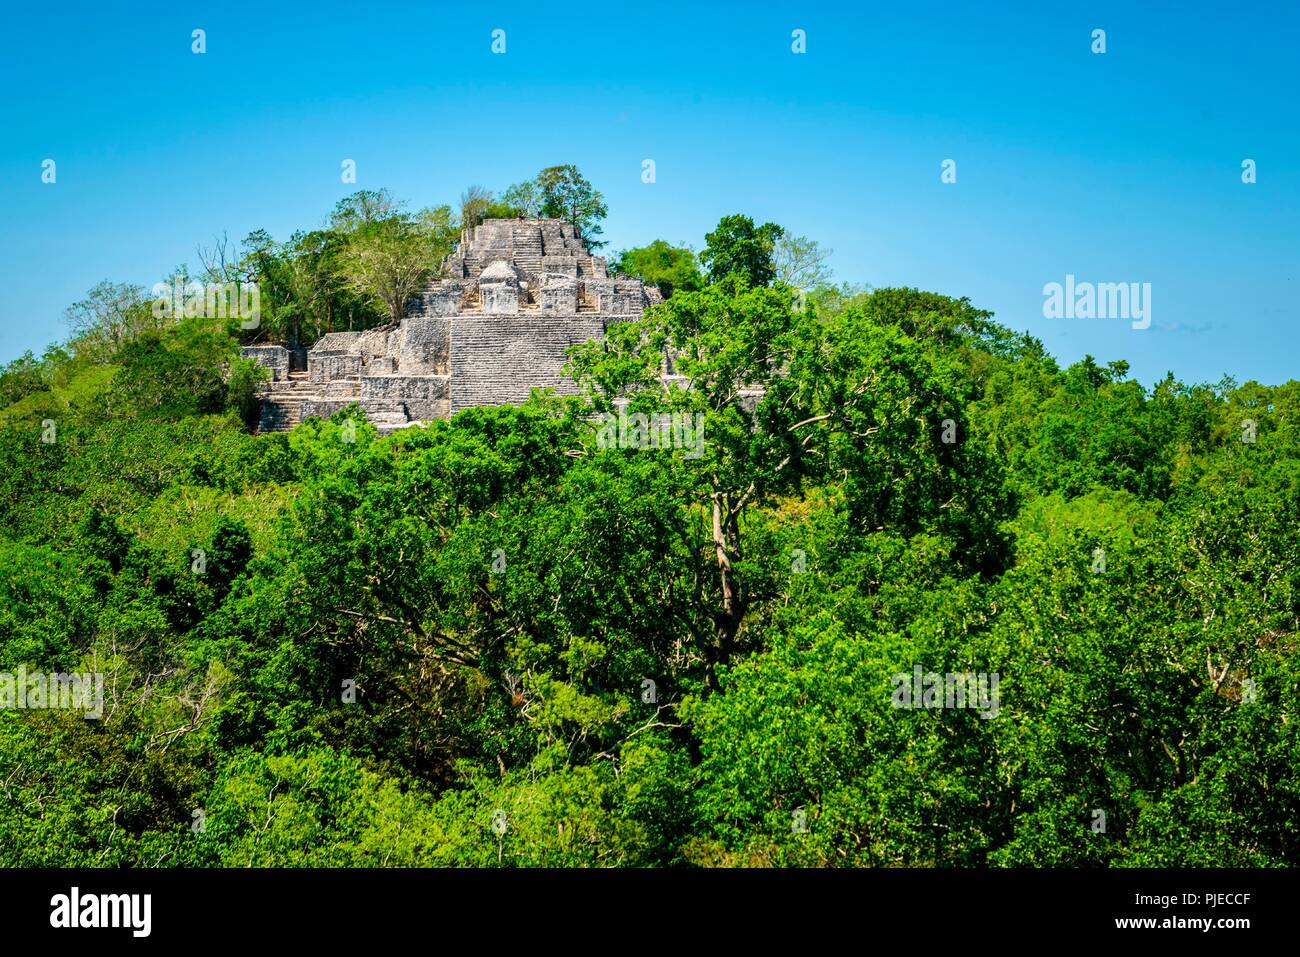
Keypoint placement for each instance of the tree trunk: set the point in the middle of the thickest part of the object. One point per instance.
(726, 544)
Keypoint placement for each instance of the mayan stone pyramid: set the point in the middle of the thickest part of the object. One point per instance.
(510, 300)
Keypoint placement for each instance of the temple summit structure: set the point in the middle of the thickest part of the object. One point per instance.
(494, 325)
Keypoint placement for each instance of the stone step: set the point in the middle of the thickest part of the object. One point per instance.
(277, 420)
(281, 410)
(342, 388)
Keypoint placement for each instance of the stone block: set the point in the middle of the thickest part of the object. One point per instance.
(403, 388)
(494, 361)
(274, 358)
(323, 368)
(423, 350)
(499, 298)
(560, 296)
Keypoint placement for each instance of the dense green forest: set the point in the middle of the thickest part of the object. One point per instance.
(498, 641)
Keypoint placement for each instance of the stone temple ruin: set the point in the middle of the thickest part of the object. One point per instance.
(513, 297)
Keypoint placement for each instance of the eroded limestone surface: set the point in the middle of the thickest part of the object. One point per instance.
(496, 323)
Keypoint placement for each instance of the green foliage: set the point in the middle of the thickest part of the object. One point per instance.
(108, 318)
(671, 268)
(524, 199)
(388, 254)
(564, 193)
(557, 192)
(737, 247)
(169, 377)
(242, 390)
(502, 640)
(28, 375)
(801, 262)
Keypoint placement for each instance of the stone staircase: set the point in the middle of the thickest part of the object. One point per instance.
(282, 403)
(286, 403)
(528, 248)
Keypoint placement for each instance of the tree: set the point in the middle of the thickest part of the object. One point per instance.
(319, 290)
(266, 263)
(671, 268)
(168, 377)
(440, 229)
(525, 198)
(363, 208)
(786, 398)
(389, 260)
(474, 205)
(108, 317)
(737, 247)
(27, 375)
(566, 194)
(801, 262)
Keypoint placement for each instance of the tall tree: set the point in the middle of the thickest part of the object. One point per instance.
(474, 204)
(801, 262)
(525, 198)
(566, 194)
(671, 268)
(389, 260)
(737, 247)
(785, 397)
(364, 207)
(108, 317)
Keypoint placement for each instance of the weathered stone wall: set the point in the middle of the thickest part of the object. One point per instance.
(402, 387)
(499, 298)
(533, 245)
(424, 397)
(441, 298)
(275, 358)
(494, 361)
(424, 348)
(560, 266)
(627, 297)
(337, 342)
(339, 388)
(513, 298)
(323, 408)
(370, 343)
(560, 296)
(323, 367)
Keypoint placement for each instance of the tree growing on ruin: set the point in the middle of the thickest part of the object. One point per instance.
(567, 194)
(474, 203)
(388, 261)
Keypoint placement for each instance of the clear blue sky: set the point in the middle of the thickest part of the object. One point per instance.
(1124, 166)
